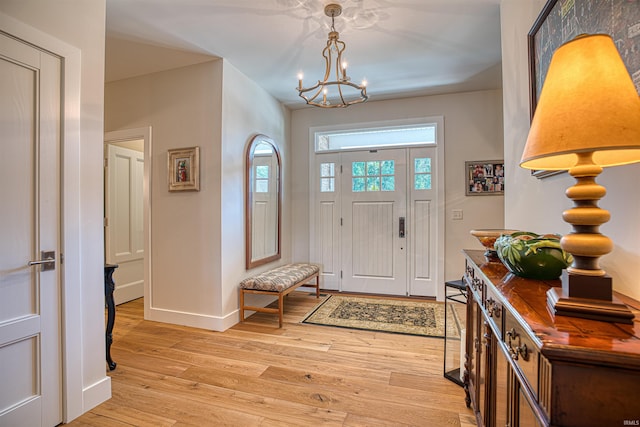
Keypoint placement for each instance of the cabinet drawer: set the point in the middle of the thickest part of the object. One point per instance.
(495, 311)
(522, 351)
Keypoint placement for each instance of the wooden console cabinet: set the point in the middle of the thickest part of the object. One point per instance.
(525, 367)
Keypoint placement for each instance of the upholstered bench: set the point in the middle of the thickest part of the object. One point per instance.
(279, 282)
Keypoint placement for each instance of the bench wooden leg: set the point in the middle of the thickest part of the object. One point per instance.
(242, 305)
(280, 309)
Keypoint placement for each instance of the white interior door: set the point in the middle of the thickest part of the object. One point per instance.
(30, 335)
(374, 222)
(124, 237)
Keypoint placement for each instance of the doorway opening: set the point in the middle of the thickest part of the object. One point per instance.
(127, 211)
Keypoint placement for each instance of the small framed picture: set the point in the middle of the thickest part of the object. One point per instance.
(184, 169)
(484, 178)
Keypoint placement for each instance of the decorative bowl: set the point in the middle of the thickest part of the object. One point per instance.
(487, 238)
(533, 256)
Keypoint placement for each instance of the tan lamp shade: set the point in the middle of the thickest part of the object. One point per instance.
(588, 104)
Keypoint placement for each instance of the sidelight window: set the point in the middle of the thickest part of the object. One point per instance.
(262, 179)
(327, 177)
(422, 173)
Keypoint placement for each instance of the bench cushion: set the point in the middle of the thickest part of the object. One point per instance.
(280, 278)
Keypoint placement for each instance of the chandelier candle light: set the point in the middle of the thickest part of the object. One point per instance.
(588, 118)
(338, 89)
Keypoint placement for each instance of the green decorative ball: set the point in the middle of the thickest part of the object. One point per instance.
(533, 256)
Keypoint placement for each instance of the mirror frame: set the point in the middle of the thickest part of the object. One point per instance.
(248, 201)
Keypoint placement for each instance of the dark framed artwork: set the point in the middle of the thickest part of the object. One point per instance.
(562, 20)
(484, 177)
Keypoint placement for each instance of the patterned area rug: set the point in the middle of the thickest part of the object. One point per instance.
(417, 317)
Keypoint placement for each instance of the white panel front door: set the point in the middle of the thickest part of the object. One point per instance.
(374, 211)
(30, 318)
(124, 240)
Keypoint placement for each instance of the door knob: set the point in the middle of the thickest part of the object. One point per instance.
(401, 231)
(47, 261)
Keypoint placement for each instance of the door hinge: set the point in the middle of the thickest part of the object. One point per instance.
(340, 168)
(106, 162)
(340, 222)
(105, 222)
(341, 274)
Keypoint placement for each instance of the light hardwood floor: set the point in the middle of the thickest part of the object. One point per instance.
(255, 374)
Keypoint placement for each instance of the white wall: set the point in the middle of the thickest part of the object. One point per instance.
(247, 110)
(183, 108)
(80, 24)
(472, 131)
(537, 205)
(197, 238)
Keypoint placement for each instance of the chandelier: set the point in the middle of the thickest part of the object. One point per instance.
(340, 92)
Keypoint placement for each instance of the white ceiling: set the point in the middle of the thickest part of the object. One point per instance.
(401, 47)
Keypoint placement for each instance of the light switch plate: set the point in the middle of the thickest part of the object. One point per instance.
(456, 214)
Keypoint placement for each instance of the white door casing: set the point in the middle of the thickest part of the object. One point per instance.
(124, 225)
(30, 296)
(424, 219)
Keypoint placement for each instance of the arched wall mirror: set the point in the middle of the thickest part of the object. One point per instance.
(262, 201)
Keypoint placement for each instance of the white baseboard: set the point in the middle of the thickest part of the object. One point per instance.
(128, 292)
(96, 394)
(194, 320)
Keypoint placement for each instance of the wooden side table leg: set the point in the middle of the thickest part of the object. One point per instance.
(109, 287)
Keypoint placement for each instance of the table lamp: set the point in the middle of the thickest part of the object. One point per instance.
(588, 117)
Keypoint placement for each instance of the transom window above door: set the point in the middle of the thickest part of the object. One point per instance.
(376, 137)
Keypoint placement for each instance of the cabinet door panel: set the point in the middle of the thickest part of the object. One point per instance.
(501, 381)
(471, 364)
(484, 361)
(526, 416)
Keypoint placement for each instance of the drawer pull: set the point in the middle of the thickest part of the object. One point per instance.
(493, 308)
(520, 350)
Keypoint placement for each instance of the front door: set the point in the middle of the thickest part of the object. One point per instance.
(30, 321)
(374, 221)
(375, 228)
